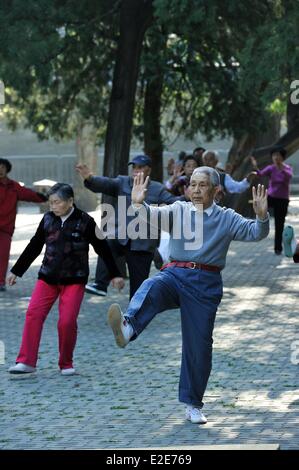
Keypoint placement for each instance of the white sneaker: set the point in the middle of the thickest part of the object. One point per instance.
(195, 415)
(69, 371)
(122, 330)
(21, 368)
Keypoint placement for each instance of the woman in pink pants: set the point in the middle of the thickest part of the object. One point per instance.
(67, 232)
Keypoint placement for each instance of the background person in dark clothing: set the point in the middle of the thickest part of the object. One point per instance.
(180, 182)
(138, 253)
(10, 193)
(67, 232)
(198, 153)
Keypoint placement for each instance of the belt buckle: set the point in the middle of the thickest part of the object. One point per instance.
(193, 265)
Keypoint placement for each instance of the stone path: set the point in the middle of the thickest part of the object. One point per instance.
(128, 398)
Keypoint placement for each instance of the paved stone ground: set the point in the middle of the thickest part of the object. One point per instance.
(128, 398)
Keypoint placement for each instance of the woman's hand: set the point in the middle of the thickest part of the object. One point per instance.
(118, 283)
(12, 279)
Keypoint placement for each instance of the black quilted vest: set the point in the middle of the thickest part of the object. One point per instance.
(66, 256)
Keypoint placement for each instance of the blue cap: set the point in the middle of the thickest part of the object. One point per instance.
(141, 160)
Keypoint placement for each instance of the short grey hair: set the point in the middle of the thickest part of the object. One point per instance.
(210, 172)
(214, 152)
(63, 190)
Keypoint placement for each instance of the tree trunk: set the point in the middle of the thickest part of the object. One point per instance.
(153, 144)
(87, 153)
(292, 115)
(238, 158)
(290, 140)
(245, 146)
(135, 17)
(260, 147)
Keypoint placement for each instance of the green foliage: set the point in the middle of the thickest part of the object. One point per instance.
(270, 59)
(231, 60)
(225, 64)
(59, 61)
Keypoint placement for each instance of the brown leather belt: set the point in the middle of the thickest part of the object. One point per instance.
(191, 265)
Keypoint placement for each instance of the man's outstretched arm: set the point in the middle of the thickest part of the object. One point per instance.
(98, 184)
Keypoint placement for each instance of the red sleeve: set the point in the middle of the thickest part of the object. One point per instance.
(26, 194)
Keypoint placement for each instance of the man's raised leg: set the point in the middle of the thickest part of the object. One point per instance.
(153, 296)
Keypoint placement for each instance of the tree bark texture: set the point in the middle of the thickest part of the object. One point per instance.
(135, 17)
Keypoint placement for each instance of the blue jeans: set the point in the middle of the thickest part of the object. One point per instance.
(198, 294)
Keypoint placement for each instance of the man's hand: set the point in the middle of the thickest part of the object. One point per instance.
(118, 283)
(84, 171)
(177, 172)
(260, 202)
(12, 279)
(139, 188)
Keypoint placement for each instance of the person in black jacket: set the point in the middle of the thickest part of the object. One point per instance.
(138, 252)
(67, 232)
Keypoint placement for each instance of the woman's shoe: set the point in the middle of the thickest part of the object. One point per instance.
(69, 371)
(21, 368)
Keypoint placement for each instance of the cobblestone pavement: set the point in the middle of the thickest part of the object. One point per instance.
(128, 398)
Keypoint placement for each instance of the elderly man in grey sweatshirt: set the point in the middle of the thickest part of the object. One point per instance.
(192, 279)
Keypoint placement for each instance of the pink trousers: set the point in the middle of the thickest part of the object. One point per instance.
(42, 299)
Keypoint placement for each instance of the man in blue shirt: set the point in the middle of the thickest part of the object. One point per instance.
(192, 278)
(227, 183)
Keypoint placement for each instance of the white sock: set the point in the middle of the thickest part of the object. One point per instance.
(128, 330)
(190, 407)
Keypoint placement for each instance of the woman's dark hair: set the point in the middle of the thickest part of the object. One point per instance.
(6, 163)
(190, 157)
(182, 155)
(199, 149)
(64, 191)
(280, 150)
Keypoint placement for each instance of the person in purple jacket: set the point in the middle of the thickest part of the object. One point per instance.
(280, 176)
